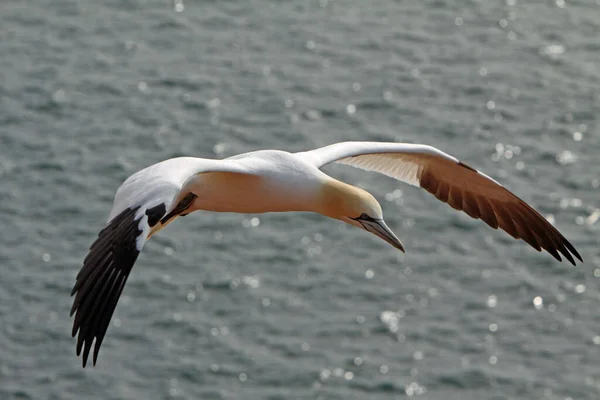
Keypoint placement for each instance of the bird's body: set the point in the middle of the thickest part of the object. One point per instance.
(278, 181)
(275, 181)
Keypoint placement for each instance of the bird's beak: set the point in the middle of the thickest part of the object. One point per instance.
(379, 228)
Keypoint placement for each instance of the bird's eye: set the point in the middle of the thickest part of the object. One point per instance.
(363, 216)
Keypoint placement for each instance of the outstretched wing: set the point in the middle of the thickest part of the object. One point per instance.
(452, 182)
(140, 204)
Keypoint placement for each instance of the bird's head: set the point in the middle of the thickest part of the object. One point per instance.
(356, 207)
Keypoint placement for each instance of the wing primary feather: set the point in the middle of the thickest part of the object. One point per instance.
(569, 246)
(505, 223)
(556, 241)
(455, 198)
(442, 192)
(103, 324)
(100, 281)
(83, 284)
(487, 212)
(89, 297)
(524, 233)
(101, 312)
(470, 205)
(428, 181)
(562, 244)
(98, 296)
(100, 258)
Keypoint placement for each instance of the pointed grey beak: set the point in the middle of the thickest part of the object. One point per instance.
(379, 228)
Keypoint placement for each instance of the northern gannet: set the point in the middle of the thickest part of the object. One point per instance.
(276, 181)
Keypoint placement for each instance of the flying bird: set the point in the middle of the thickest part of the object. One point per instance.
(278, 181)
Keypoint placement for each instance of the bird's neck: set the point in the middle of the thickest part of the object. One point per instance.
(337, 199)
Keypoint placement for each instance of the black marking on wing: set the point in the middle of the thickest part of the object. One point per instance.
(183, 205)
(155, 214)
(467, 166)
(100, 281)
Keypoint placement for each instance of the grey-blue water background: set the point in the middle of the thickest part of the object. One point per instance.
(295, 306)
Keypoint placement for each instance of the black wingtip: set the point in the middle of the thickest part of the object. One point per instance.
(567, 255)
(100, 282)
(573, 250)
(569, 251)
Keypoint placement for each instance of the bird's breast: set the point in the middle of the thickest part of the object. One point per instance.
(245, 193)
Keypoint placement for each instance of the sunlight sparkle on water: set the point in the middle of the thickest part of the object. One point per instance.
(553, 50)
(566, 157)
(191, 296)
(214, 102)
(506, 151)
(251, 281)
(414, 389)
(593, 217)
(219, 148)
(391, 320)
(538, 302)
(325, 374)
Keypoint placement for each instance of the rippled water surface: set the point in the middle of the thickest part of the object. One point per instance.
(295, 306)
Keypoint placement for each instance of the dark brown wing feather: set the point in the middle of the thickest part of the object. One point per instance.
(463, 188)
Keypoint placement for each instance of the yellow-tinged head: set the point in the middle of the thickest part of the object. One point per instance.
(356, 207)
